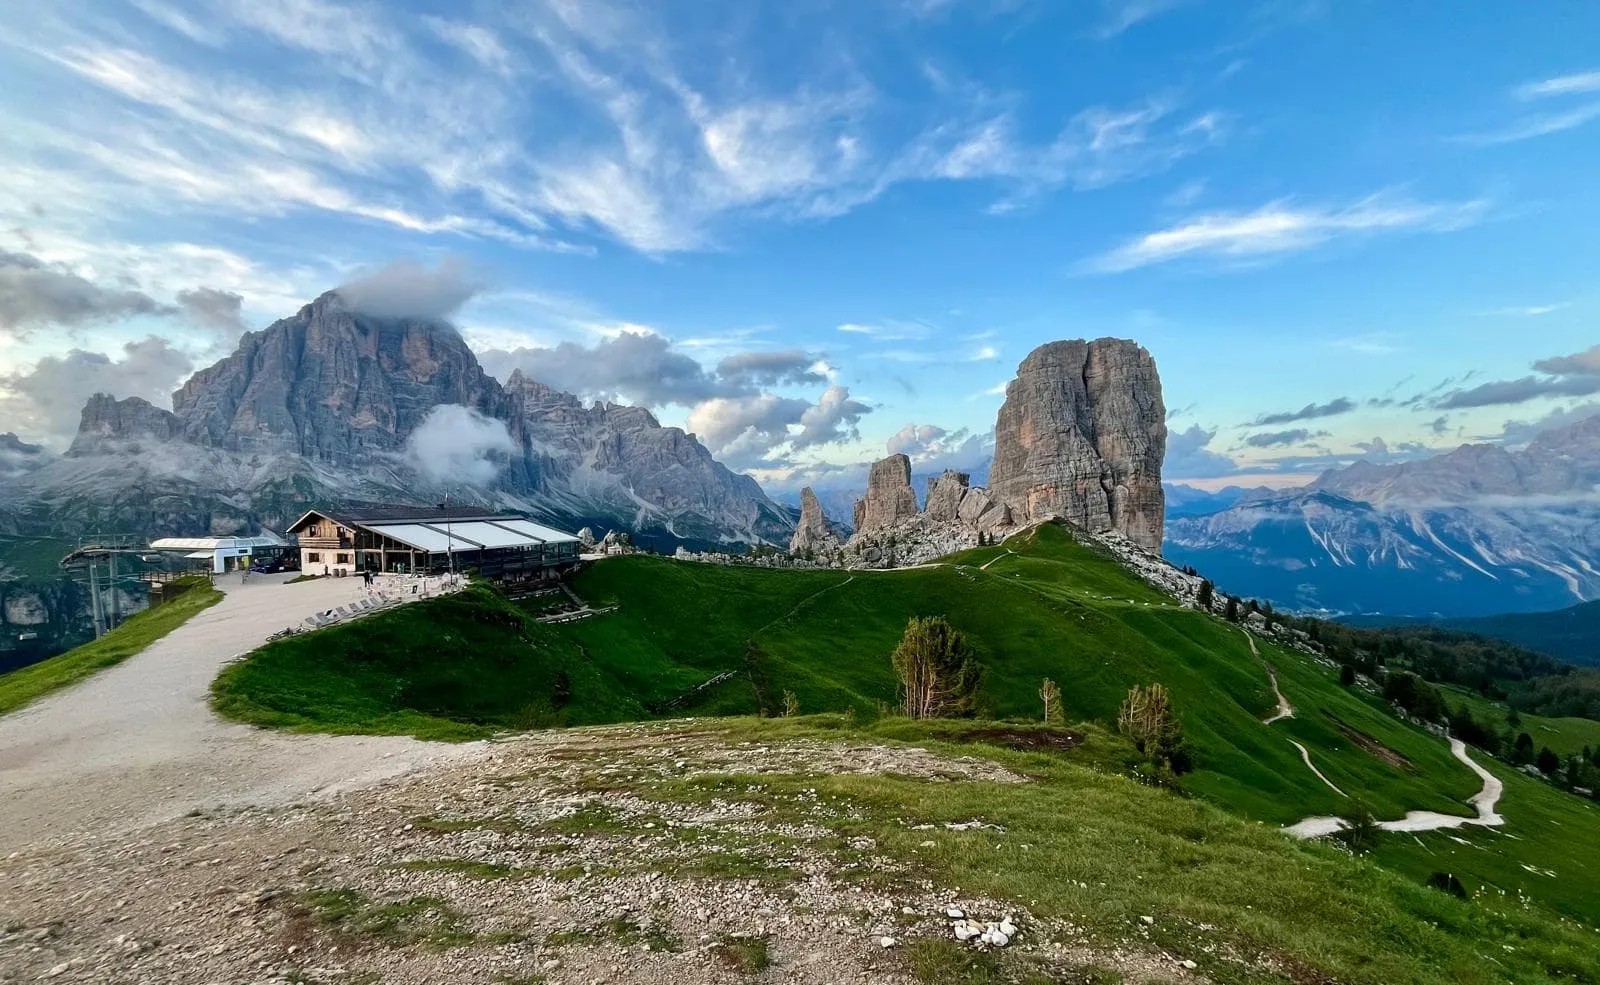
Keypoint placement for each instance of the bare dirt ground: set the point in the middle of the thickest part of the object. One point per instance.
(548, 859)
(137, 743)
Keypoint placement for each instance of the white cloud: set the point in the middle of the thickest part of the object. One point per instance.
(1561, 85)
(479, 42)
(562, 123)
(1541, 125)
(1282, 227)
(458, 444)
(408, 289)
(1123, 14)
(45, 402)
(1552, 90)
(1526, 311)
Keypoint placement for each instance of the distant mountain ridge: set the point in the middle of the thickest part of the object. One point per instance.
(1481, 529)
(319, 407)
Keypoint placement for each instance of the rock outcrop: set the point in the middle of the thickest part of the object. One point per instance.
(1081, 436)
(112, 425)
(945, 493)
(892, 532)
(889, 497)
(813, 536)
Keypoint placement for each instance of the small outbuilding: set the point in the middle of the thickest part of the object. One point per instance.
(408, 539)
(222, 554)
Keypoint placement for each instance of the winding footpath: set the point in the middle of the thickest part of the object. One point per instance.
(1485, 801)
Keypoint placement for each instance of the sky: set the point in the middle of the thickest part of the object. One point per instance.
(815, 232)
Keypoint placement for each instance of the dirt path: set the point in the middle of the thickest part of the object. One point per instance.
(1306, 757)
(1285, 710)
(137, 743)
(1484, 801)
(985, 565)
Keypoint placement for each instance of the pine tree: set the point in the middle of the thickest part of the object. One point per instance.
(1522, 749)
(1231, 612)
(1204, 596)
(938, 676)
(1050, 695)
(1146, 718)
(1347, 675)
(1547, 761)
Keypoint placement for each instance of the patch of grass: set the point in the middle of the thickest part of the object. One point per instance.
(621, 931)
(297, 579)
(946, 962)
(462, 866)
(30, 683)
(502, 823)
(744, 955)
(350, 914)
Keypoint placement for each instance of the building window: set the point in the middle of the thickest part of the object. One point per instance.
(341, 559)
(313, 557)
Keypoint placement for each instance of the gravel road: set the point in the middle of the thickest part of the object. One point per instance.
(138, 744)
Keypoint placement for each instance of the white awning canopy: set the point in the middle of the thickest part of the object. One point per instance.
(466, 536)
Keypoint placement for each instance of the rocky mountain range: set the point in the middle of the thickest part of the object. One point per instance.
(1478, 530)
(332, 405)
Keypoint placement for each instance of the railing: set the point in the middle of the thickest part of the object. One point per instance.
(326, 543)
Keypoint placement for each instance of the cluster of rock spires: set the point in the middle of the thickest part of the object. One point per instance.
(1080, 437)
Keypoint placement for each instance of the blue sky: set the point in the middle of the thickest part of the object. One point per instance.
(814, 232)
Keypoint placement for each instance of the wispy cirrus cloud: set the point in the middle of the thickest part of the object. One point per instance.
(1120, 15)
(1560, 89)
(1560, 85)
(1281, 228)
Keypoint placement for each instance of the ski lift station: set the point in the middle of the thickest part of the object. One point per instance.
(223, 554)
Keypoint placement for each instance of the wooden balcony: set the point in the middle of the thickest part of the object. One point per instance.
(326, 543)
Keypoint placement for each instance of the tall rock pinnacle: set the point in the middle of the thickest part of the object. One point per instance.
(813, 535)
(1081, 436)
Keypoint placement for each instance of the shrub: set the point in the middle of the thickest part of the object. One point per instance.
(938, 676)
(1347, 675)
(1147, 719)
(1360, 832)
(1547, 761)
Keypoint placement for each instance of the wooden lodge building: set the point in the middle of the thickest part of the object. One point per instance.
(498, 545)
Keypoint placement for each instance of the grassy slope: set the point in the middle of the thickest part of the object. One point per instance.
(1564, 735)
(1103, 851)
(482, 668)
(1053, 608)
(140, 630)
